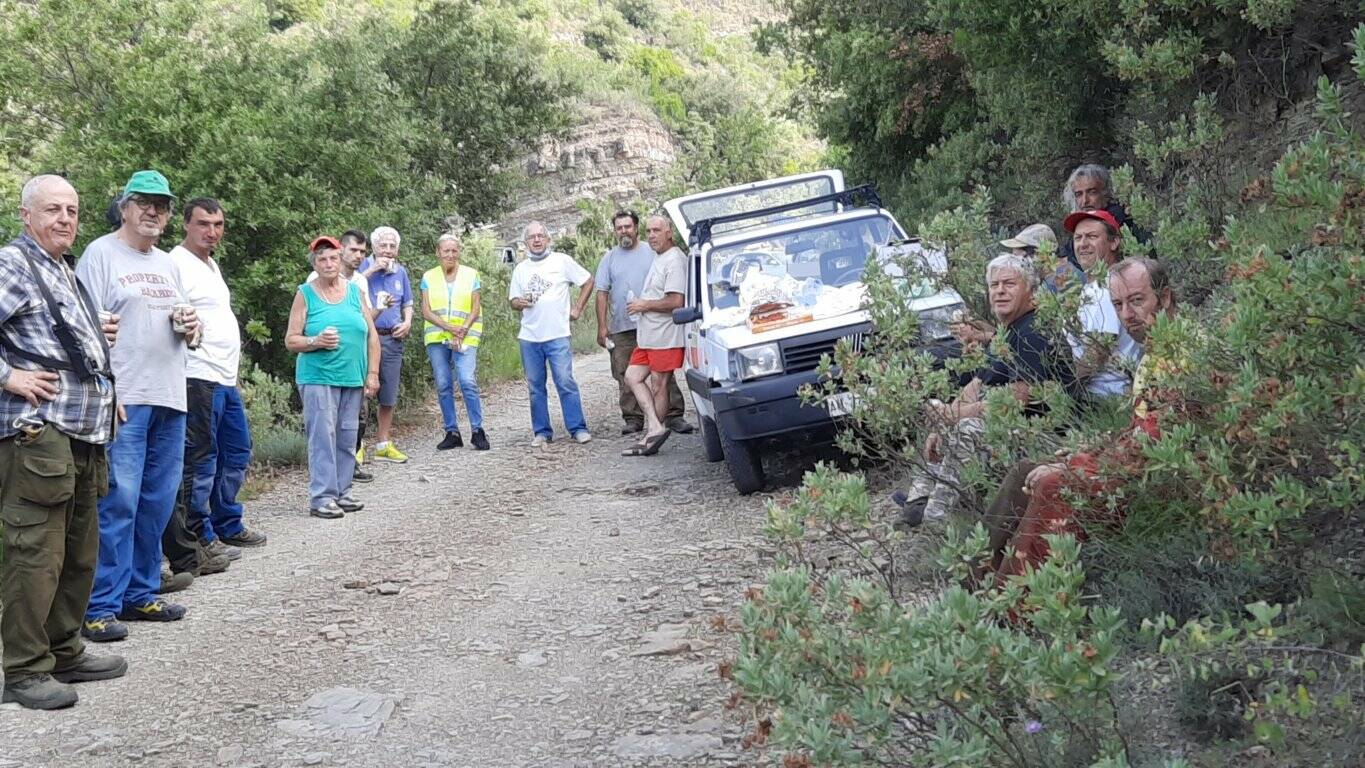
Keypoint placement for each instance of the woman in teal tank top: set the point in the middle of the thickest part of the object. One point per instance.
(331, 329)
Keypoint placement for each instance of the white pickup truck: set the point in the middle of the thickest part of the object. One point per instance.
(774, 282)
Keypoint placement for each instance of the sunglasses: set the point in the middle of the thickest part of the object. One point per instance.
(158, 204)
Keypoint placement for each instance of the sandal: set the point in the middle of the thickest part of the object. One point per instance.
(635, 450)
(653, 444)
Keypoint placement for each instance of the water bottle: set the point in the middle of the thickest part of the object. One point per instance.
(630, 296)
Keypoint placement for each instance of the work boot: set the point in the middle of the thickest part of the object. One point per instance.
(39, 692)
(105, 629)
(479, 439)
(87, 668)
(217, 547)
(452, 440)
(209, 563)
(681, 426)
(175, 582)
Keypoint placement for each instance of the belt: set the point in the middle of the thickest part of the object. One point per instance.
(385, 331)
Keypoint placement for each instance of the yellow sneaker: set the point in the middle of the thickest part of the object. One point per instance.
(390, 452)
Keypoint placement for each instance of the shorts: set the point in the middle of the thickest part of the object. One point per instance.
(658, 360)
(390, 369)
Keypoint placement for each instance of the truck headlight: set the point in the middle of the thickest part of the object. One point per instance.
(760, 360)
(933, 323)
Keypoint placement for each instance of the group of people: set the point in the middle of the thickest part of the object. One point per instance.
(1104, 357)
(123, 436)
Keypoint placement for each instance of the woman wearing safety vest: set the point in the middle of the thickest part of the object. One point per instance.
(450, 305)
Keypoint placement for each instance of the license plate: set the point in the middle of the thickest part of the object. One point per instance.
(840, 404)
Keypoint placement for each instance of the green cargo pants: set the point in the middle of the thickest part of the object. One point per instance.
(49, 486)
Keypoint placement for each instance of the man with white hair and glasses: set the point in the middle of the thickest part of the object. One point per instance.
(391, 295)
(539, 290)
(955, 428)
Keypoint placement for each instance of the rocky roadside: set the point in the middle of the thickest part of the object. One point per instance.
(559, 607)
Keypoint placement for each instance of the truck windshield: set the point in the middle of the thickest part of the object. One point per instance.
(829, 255)
(767, 196)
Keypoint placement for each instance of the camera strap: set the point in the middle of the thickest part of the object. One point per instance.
(77, 360)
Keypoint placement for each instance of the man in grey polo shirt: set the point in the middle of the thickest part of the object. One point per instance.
(620, 278)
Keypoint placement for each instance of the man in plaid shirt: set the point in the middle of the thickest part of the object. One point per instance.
(56, 415)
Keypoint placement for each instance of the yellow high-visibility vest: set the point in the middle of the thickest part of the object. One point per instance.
(453, 302)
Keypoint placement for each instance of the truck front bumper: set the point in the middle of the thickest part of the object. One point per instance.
(763, 408)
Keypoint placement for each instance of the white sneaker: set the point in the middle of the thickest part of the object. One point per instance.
(538, 441)
(583, 437)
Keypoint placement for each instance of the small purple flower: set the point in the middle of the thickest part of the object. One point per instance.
(1033, 726)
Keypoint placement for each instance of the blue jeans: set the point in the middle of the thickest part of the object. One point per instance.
(559, 354)
(447, 365)
(219, 474)
(331, 419)
(145, 463)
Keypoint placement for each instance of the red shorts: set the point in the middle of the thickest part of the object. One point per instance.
(658, 360)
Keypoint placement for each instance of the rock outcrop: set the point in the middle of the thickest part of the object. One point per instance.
(614, 152)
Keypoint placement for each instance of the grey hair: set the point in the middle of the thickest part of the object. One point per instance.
(1017, 263)
(448, 237)
(1086, 171)
(385, 231)
(526, 229)
(31, 187)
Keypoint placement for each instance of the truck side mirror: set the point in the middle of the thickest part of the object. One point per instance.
(685, 315)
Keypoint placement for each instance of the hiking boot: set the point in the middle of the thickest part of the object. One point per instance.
(681, 426)
(479, 439)
(247, 538)
(582, 436)
(912, 510)
(156, 610)
(328, 511)
(361, 476)
(217, 547)
(105, 629)
(389, 452)
(175, 582)
(209, 563)
(349, 504)
(87, 668)
(39, 692)
(452, 440)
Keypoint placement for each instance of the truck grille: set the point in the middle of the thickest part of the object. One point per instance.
(806, 357)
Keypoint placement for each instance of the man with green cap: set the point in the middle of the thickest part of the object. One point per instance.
(128, 275)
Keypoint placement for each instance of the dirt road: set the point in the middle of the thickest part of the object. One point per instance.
(485, 609)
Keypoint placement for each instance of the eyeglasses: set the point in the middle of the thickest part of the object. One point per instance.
(158, 204)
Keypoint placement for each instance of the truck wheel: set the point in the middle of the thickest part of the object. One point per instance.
(744, 463)
(710, 439)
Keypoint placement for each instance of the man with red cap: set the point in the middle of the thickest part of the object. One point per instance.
(1102, 347)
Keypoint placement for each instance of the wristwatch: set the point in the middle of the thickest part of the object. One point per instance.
(312, 341)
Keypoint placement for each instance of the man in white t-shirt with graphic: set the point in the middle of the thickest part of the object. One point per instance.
(218, 439)
(540, 292)
(659, 351)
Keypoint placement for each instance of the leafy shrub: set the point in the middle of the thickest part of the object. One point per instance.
(856, 677)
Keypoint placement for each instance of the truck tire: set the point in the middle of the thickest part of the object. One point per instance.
(743, 461)
(710, 439)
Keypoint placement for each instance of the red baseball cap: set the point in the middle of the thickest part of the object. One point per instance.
(1079, 216)
(327, 240)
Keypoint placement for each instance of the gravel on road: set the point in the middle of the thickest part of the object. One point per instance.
(563, 606)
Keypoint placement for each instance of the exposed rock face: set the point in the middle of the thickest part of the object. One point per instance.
(615, 153)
